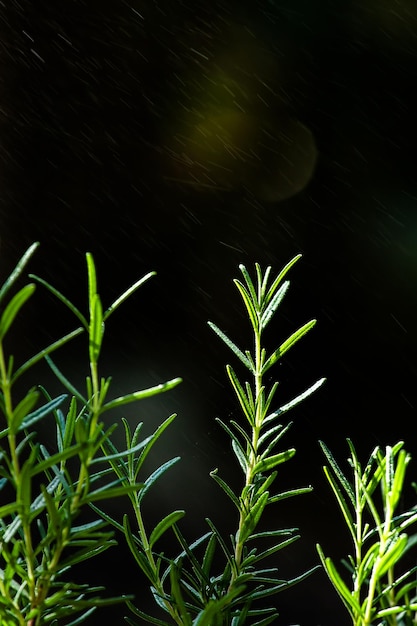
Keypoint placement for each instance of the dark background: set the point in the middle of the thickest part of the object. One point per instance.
(188, 137)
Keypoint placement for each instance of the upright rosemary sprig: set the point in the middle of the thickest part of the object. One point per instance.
(255, 449)
(378, 589)
(193, 589)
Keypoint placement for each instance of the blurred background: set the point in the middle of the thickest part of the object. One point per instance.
(187, 137)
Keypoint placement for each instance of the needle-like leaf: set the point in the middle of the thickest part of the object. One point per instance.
(288, 343)
(126, 294)
(9, 282)
(232, 346)
(13, 308)
(165, 523)
(141, 395)
(62, 298)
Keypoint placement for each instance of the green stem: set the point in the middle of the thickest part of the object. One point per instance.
(391, 595)
(83, 483)
(253, 454)
(384, 537)
(371, 590)
(96, 394)
(8, 410)
(156, 582)
(358, 538)
(15, 470)
(44, 583)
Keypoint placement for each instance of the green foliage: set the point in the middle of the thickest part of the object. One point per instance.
(192, 589)
(217, 579)
(45, 489)
(380, 590)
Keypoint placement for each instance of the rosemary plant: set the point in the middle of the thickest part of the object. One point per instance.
(44, 490)
(215, 580)
(380, 590)
(191, 589)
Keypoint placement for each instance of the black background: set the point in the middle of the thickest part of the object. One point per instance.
(186, 138)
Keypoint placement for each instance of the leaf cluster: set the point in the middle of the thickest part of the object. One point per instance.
(380, 589)
(44, 489)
